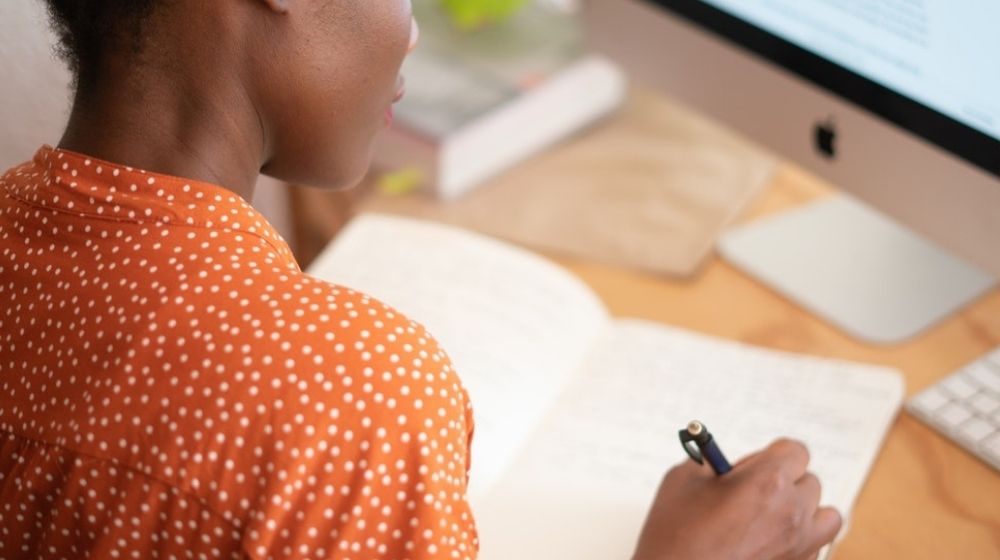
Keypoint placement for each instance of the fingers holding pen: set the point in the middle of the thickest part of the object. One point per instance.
(784, 486)
(767, 506)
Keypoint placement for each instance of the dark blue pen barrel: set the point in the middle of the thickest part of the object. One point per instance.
(714, 456)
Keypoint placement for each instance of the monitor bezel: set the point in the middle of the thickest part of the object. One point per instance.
(943, 131)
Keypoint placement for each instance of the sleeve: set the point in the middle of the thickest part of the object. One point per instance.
(372, 461)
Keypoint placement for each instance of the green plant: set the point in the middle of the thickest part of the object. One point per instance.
(473, 14)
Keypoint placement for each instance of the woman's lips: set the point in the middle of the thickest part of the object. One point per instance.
(400, 89)
(400, 92)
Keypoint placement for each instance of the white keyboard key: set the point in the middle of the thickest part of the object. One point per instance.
(986, 375)
(975, 430)
(929, 401)
(990, 449)
(995, 357)
(984, 403)
(969, 418)
(952, 415)
(959, 386)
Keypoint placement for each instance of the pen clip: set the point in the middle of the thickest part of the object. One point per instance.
(688, 441)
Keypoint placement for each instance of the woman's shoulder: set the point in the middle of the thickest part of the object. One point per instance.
(299, 338)
(282, 307)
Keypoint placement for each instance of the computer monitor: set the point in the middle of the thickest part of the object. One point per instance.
(895, 101)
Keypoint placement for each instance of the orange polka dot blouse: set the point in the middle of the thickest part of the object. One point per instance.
(172, 385)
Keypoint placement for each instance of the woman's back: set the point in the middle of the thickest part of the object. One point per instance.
(174, 386)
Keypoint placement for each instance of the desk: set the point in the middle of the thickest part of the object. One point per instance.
(926, 498)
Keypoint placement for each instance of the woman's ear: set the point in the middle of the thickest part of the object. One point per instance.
(279, 6)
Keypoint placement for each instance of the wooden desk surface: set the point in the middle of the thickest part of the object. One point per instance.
(926, 498)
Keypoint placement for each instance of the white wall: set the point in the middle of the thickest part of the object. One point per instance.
(35, 98)
(34, 83)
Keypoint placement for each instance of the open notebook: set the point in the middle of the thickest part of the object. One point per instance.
(577, 413)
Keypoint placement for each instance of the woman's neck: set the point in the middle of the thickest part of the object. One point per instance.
(203, 129)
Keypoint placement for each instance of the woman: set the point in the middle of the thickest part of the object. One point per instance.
(175, 387)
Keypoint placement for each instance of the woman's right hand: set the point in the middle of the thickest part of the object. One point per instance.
(766, 508)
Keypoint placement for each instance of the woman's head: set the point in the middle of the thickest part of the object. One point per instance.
(316, 78)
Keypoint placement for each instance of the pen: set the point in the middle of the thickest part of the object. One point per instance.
(700, 446)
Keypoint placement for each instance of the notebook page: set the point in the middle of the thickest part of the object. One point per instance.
(583, 484)
(515, 326)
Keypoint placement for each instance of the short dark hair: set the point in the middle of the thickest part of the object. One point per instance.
(89, 30)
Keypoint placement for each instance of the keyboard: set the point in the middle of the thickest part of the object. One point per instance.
(965, 407)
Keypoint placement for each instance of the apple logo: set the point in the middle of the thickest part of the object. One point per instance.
(826, 138)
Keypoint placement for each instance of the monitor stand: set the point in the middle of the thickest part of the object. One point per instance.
(856, 269)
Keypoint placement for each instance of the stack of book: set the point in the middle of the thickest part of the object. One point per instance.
(478, 102)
